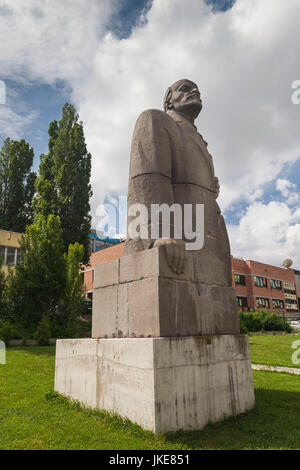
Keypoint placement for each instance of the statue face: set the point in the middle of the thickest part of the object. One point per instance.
(185, 94)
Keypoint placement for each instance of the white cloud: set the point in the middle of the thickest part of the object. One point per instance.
(244, 61)
(45, 41)
(288, 191)
(49, 39)
(267, 232)
(12, 124)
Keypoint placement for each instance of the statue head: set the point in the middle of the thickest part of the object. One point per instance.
(184, 97)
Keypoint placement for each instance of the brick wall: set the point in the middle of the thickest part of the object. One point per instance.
(101, 256)
(250, 269)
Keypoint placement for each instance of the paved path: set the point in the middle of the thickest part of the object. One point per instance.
(290, 370)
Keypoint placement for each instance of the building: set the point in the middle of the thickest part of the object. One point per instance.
(97, 257)
(297, 279)
(267, 287)
(98, 241)
(9, 248)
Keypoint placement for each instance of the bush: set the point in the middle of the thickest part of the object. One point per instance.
(43, 332)
(8, 331)
(243, 329)
(263, 321)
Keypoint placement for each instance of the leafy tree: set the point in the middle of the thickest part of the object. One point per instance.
(45, 201)
(63, 187)
(47, 283)
(17, 185)
(38, 282)
(72, 304)
(43, 332)
(2, 288)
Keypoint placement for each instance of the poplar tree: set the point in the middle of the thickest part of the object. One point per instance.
(63, 187)
(2, 288)
(38, 281)
(46, 285)
(17, 185)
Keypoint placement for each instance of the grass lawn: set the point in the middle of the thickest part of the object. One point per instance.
(273, 350)
(29, 421)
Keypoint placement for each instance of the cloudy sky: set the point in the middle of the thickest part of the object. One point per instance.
(114, 58)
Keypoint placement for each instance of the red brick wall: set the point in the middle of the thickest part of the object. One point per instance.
(250, 269)
(101, 256)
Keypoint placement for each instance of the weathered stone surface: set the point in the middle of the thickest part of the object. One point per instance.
(139, 265)
(77, 378)
(106, 274)
(105, 312)
(144, 308)
(153, 263)
(152, 300)
(190, 309)
(163, 384)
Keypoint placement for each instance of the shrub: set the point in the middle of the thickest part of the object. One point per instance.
(243, 329)
(263, 321)
(8, 331)
(43, 332)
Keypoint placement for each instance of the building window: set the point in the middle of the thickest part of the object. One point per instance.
(289, 289)
(239, 280)
(242, 301)
(2, 253)
(89, 295)
(291, 305)
(260, 281)
(262, 302)
(275, 284)
(288, 285)
(277, 303)
(9, 255)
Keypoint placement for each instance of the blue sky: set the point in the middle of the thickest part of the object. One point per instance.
(116, 58)
(46, 101)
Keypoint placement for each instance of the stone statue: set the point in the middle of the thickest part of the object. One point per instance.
(170, 164)
(165, 350)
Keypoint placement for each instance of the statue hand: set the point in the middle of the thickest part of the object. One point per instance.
(175, 253)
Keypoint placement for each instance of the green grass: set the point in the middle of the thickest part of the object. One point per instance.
(29, 421)
(273, 350)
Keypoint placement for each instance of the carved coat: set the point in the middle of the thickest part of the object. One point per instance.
(170, 164)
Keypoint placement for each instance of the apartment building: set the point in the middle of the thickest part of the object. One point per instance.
(97, 257)
(263, 286)
(9, 248)
(98, 241)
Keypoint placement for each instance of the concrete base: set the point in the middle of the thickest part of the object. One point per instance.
(163, 384)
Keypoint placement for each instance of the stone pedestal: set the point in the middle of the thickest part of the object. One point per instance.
(163, 384)
(140, 296)
(165, 350)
